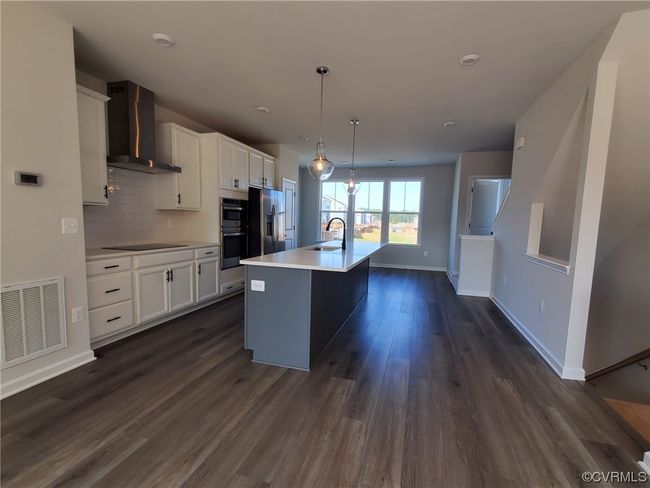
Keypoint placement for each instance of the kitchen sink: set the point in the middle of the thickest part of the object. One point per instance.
(324, 248)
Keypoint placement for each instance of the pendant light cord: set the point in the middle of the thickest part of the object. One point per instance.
(320, 128)
(354, 140)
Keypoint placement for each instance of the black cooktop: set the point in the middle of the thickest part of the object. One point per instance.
(144, 247)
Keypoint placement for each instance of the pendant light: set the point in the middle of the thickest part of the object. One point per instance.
(320, 167)
(352, 184)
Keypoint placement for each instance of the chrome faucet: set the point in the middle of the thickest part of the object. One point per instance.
(327, 229)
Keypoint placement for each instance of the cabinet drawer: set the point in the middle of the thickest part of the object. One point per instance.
(108, 289)
(232, 286)
(206, 252)
(163, 258)
(105, 266)
(106, 320)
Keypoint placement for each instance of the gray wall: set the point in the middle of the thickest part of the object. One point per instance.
(619, 315)
(436, 208)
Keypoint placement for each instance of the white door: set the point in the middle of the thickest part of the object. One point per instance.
(206, 279)
(186, 148)
(256, 168)
(226, 164)
(181, 285)
(269, 173)
(483, 207)
(241, 168)
(92, 149)
(289, 190)
(151, 293)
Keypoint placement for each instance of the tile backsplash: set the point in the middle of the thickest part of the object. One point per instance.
(131, 216)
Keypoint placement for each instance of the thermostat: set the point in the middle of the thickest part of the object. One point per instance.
(31, 179)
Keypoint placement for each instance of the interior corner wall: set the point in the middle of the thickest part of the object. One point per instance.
(434, 227)
(518, 285)
(469, 164)
(43, 139)
(619, 315)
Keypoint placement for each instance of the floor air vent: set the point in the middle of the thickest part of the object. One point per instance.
(33, 320)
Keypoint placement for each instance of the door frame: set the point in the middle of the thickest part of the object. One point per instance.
(470, 195)
(295, 204)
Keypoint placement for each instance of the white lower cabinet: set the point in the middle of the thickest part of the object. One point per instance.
(206, 279)
(151, 293)
(181, 286)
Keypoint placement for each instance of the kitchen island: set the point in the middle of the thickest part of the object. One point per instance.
(297, 300)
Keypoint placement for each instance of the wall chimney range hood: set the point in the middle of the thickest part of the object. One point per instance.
(132, 130)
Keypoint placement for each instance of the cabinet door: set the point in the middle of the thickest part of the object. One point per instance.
(181, 286)
(226, 164)
(92, 149)
(206, 279)
(269, 173)
(256, 168)
(186, 148)
(241, 168)
(151, 293)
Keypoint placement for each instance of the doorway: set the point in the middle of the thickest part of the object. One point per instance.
(487, 196)
(289, 190)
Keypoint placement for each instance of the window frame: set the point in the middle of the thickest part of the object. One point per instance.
(385, 213)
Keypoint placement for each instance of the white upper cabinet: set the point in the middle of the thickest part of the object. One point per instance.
(181, 147)
(269, 172)
(233, 165)
(256, 168)
(91, 110)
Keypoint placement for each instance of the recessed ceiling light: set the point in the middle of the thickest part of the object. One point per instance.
(262, 108)
(469, 59)
(163, 39)
(303, 138)
(450, 123)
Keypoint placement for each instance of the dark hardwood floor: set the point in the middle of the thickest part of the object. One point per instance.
(421, 388)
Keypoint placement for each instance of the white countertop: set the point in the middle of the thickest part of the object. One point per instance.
(99, 253)
(304, 258)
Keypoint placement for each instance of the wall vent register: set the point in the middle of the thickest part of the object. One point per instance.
(32, 320)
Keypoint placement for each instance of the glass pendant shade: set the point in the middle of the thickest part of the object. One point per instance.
(320, 168)
(352, 185)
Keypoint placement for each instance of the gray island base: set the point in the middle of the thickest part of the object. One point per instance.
(302, 305)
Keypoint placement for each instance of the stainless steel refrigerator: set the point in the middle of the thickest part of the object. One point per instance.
(266, 221)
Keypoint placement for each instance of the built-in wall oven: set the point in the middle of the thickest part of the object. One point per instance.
(234, 232)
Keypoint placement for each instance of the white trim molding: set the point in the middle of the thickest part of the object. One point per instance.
(562, 371)
(472, 293)
(554, 264)
(40, 375)
(408, 266)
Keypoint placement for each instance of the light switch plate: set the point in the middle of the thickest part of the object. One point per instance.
(257, 285)
(69, 226)
(77, 314)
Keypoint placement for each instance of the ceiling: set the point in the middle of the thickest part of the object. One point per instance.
(394, 66)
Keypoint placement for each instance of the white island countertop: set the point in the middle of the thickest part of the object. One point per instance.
(328, 260)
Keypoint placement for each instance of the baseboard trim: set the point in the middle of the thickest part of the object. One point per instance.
(472, 293)
(43, 374)
(562, 371)
(407, 266)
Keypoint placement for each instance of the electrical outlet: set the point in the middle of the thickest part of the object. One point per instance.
(69, 226)
(541, 306)
(257, 285)
(77, 314)
(426, 253)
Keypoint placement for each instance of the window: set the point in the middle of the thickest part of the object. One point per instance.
(368, 210)
(404, 212)
(333, 203)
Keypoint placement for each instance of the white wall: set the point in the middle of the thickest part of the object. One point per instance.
(131, 215)
(436, 208)
(619, 316)
(469, 165)
(518, 286)
(40, 134)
